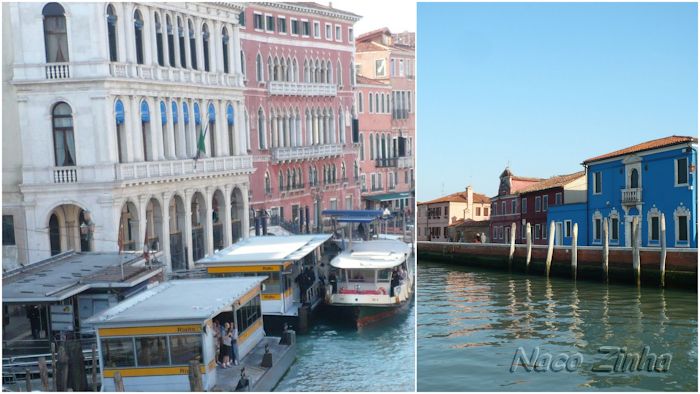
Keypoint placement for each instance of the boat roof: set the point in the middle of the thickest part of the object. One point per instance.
(188, 300)
(266, 249)
(354, 216)
(376, 254)
(65, 275)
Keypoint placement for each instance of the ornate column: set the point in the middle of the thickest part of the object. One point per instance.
(245, 225)
(188, 228)
(273, 131)
(156, 128)
(235, 35)
(134, 135)
(125, 41)
(228, 240)
(292, 130)
(181, 136)
(280, 130)
(239, 128)
(221, 118)
(188, 50)
(208, 223)
(165, 203)
(170, 153)
(176, 40)
(143, 202)
(198, 37)
(166, 44)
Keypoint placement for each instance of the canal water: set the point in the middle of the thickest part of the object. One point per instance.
(336, 357)
(471, 323)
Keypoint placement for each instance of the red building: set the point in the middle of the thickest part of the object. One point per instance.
(505, 208)
(535, 201)
(299, 74)
(385, 106)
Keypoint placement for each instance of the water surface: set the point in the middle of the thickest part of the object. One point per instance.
(472, 321)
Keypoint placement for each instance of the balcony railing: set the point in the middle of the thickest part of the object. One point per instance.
(58, 70)
(631, 196)
(405, 162)
(302, 89)
(65, 175)
(159, 169)
(306, 152)
(291, 188)
(389, 162)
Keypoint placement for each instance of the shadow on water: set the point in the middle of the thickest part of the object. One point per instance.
(335, 356)
(472, 321)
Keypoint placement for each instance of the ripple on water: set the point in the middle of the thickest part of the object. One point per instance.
(471, 321)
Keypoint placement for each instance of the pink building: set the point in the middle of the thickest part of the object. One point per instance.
(299, 78)
(385, 105)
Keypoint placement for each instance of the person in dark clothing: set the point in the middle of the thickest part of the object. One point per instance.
(334, 282)
(34, 320)
(394, 281)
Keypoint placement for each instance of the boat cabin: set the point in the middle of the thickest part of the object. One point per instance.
(152, 337)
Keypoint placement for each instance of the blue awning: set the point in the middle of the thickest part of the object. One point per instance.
(174, 112)
(197, 115)
(119, 112)
(163, 114)
(212, 113)
(185, 113)
(145, 114)
(229, 114)
(388, 196)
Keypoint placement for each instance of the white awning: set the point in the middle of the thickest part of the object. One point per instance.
(378, 254)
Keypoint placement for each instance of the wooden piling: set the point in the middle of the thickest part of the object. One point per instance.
(53, 366)
(512, 245)
(118, 382)
(28, 378)
(44, 374)
(528, 236)
(550, 247)
(606, 249)
(195, 377)
(574, 251)
(94, 367)
(662, 267)
(635, 250)
(62, 368)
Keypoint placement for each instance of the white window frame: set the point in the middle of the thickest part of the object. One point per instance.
(514, 205)
(291, 30)
(376, 64)
(351, 34)
(545, 230)
(316, 29)
(538, 199)
(600, 175)
(402, 68)
(567, 228)
(652, 213)
(287, 27)
(328, 31)
(301, 28)
(675, 172)
(338, 33)
(597, 216)
(537, 231)
(263, 21)
(681, 211)
(558, 198)
(274, 21)
(545, 203)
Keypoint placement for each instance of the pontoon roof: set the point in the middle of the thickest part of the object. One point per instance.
(353, 216)
(189, 300)
(267, 249)
(378, 254)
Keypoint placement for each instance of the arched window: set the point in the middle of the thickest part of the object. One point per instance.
(243, 65)
(356, 171)
(280, 180)
(121, 137)
(138, 36)
(205, 46)
(268, 183)
(371, 103)
(339, 73)
(259, 71)
(269, 68)
(343, 175)
(171, 41)
(224, 45)
(212, 129)
(371, 146)
(197, 127)
(231, 131)
(112, 33)
(193, 45)
(295, 71)
(181, 43)
(54, 235)
(55, 33)
(247, 129)
(63, 138)
(341, 125)
(329, 72)
(159, 41)
(634, 179)
(261, 128)
(362, 147)
(146, 130)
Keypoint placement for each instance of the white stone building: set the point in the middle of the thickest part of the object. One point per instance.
(103, 106)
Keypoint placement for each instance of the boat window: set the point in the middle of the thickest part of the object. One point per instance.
(384, 275)
(118, 352)
(272, 283)
(361, 275)
(185, 348)
(248, 314)
(151, 351)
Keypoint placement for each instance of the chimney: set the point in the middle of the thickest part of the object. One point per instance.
(330, 4)
(470, 197)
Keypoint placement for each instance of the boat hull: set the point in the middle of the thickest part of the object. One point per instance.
(364, 315)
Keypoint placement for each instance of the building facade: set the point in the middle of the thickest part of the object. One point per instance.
(644, 181)
(505, 207)
(436, 216)
(106, 106)
(299, 76)
(385, 106)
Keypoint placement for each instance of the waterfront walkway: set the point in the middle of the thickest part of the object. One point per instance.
(261, 379)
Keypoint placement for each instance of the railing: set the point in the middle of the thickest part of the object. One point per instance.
(57, 70)
(405, 162)
(306, 152)
(128, 171)
(65, 175)
(302, 89)
(296, 186)
(632, 196)
(377, 188)
(399, 114)
(388, 162)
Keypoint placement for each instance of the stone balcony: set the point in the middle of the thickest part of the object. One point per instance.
(405, 162)
(631, 196)
(143, 172)
(277, 88)
(96, 70)
(297, 153)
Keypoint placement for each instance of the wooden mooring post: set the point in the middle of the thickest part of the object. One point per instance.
(635, 250)
(195, 377)
(574, 251)
(94, 367)
(528, 236)
(550, 247)
(512, 245)
(44, 374)
(662, 267)
(606, 249)
(53, 367)
(118, 382)
(28, 378)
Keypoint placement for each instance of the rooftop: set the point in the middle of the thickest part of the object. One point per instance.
(555, 181)
(179, 300)
(459, 197)
(644, 146)
(267, 249)
(310, 5)
(67, 274)
(362, 80)
(377, 254)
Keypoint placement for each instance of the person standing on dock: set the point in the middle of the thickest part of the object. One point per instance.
(226, 345)
(234, 344)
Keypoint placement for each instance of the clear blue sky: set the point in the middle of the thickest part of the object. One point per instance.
(545, 86)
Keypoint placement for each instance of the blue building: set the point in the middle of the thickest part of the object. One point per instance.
(644, 181)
